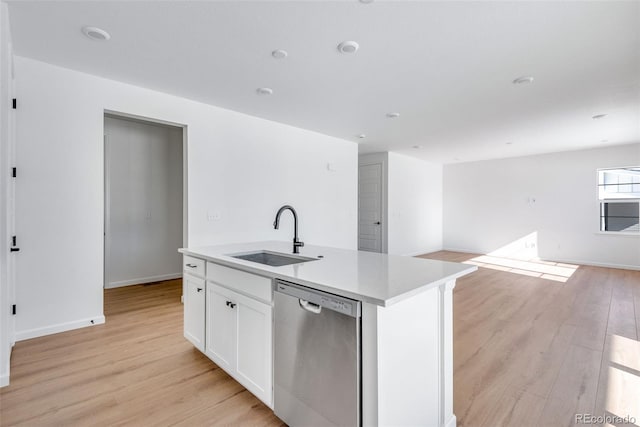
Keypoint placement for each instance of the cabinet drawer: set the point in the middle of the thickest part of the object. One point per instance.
(245, 283)
(193, 265)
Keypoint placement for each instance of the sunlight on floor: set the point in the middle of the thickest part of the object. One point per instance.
(555, 271)
(521, 257)
(623, 378)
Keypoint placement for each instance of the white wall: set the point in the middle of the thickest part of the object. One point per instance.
(144, 202)
(415, 205)
(241, 167)
(489, 204)
(6, 116)
(411, 203)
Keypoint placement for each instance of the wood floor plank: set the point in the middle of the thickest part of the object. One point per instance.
(622, 319)
(538, 378)
(574, 391)
(516, 408)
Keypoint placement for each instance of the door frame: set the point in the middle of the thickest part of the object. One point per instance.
(185, 204)
(8, 160)
(383, 160)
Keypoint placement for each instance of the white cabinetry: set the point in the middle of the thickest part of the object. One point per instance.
(239, 338)
(222, 330)
(229, 318)
(194, 309)
(193, 292)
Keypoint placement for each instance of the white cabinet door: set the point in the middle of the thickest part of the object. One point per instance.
(254, 360)
(194, 307)
(239, 339)
(221, 327)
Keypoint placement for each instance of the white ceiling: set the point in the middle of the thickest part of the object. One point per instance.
(446, 67)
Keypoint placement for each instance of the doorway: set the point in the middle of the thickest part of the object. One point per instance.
(144, 176)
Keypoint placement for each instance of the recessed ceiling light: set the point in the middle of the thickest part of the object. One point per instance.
(362, 136)
(366, 1)
(509, 143)
(417, 147)
(604, 140)
(522, 80)
(599, 116)
(456, 158)
(264, 91)
(393, 115)
(348, 47)
(279, 54)
(95, 33)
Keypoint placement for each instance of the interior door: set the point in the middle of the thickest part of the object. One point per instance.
(370, 207)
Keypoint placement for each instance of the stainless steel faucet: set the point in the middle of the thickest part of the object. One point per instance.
(276, 224)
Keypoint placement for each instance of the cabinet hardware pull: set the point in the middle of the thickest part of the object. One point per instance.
(191, 265)
(199, 289)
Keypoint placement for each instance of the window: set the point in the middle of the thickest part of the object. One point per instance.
(619, 195)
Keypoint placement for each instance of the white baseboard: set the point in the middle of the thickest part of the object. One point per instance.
(4, 380)
(452, 422)
(60, 327)
(595, 264)
(563, 260)
(142, 280)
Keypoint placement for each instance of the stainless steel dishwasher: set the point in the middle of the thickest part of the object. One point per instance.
(316, 357)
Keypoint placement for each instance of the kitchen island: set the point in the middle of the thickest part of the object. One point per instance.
(406, 350)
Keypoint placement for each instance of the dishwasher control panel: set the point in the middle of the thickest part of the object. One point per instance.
(336, 305)
(332, 302)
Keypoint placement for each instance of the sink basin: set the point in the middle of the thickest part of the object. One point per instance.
(274, 259)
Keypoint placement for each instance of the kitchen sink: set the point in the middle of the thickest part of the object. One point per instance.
(274, 259)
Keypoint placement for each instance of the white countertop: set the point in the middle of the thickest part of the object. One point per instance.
(365, 276)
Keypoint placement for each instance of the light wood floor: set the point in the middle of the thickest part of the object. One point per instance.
(527, 351)
(135, 370)
(534, 352)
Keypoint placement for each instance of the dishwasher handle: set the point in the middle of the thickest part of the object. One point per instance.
(309, 306)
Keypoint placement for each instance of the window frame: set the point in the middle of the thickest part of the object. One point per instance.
(602, 201)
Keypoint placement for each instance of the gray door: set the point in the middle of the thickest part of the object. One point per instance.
(370, 207)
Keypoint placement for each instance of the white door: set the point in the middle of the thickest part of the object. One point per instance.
(221, 327)
(254, 366)
(194, 309)
(370, 207)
